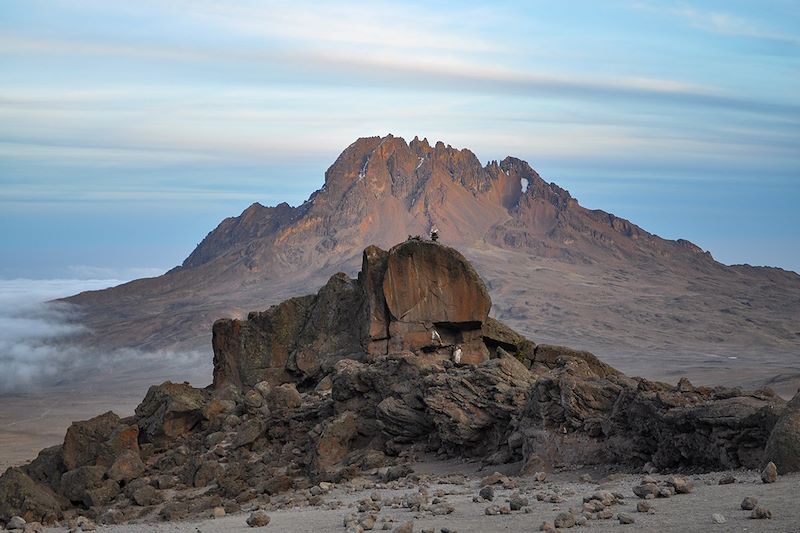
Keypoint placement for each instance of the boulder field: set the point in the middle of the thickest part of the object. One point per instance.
(369, 373)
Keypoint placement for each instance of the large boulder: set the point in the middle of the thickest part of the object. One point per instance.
(22, 496)
(437, 303)
(86, 440)
(426, 282)
(170, 410)
(783, 446)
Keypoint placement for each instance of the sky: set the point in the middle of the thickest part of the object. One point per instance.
(130, 129)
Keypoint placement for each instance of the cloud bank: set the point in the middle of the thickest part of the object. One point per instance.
(35, 352)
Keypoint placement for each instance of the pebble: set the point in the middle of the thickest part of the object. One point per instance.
(727, 479)
(717, 518)
(761, 513)
(258, 519)
(770, 473)
(16, 522)
(564, 520)
(644, 507)
(487, 493)
(625, 518)
(749, 503)
(517, 502)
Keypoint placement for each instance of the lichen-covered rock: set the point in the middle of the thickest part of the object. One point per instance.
(170, 410)
(22, 496)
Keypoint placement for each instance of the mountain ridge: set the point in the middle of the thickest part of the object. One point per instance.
(557, 270)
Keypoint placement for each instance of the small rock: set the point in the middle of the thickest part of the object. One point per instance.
(258, 519)
(770, 473)
(681, 485)
(646, 490)
(749, 503)
(33, 527)
(761, 513)
(540, 476)
(498, 478)
(492, 510)
(517, 502)
(218, 512)
(406, 527)
(564, 520)
(547, 526)
(605, 514)
(368, 522)
(441, 509)
(487, 493)
(727, 479)
(625, 518)
(16, 522)
(586, 478)
(644, 506)
(717, 518)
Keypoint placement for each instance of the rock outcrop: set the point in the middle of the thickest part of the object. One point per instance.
(419, 296)
(358, 379)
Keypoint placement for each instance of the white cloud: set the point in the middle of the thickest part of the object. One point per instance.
(717, 22)
(35, 351)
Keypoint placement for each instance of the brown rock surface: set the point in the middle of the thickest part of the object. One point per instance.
(85, 441)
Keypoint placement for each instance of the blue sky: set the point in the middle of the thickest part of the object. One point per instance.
(128, 130)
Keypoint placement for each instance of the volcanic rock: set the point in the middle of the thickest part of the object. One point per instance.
(22, 496)
(170, 410)
(84, 441)
(783, 446)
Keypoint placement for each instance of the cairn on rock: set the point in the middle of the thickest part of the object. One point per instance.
(355, 380)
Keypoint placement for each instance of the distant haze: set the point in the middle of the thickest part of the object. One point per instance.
(129, 129)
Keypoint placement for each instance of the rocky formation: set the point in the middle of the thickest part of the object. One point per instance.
(556, 270)
(360, 378)
(420, 297)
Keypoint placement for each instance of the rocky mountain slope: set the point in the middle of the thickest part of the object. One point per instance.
(366, 375)
(556, 270)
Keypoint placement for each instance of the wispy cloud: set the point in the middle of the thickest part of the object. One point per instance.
(718, 22)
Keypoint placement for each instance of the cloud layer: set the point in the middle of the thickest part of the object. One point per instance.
(35, 352)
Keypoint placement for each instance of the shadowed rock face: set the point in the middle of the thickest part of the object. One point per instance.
(338, 384)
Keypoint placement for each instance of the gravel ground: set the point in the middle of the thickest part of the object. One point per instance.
(682, 512)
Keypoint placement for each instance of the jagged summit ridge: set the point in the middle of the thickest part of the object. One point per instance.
(548, 261)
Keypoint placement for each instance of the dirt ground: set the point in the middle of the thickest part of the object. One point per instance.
(682, 512)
